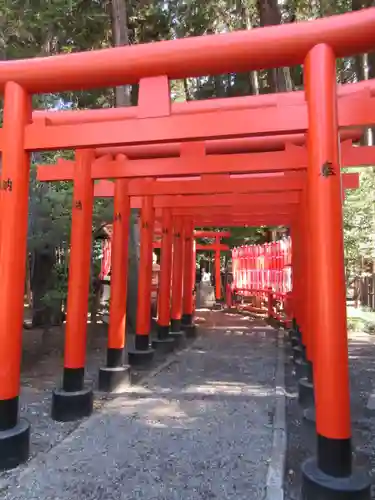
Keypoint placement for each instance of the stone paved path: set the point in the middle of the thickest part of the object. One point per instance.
(201, 429)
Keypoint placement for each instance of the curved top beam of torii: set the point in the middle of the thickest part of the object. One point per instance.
(273, 46)
(71, 117)
(155, 125)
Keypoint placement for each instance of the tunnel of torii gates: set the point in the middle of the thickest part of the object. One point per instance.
(157, 128)
(178, 215)
(216, 247)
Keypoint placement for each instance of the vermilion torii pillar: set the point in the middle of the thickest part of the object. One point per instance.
(164, 341)
(116, 370)
(14, 433)
(177, 277)
(142, 353)
(73, 401)
(331, 473)
(218, 294)
(305, 352)
(187, 320)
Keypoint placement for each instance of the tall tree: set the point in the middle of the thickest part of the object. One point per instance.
(279, 79)
(120, 34)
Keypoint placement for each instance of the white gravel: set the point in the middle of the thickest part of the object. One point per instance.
(201, 429)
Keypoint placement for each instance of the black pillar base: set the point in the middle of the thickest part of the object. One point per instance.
(162, 331)
(187, 319)
(175, 325)
(316, 485)
(15, 445)
(190, 331)
(309, 416)
(297, 352)
(111, 377)
(139, 357)
(301, 368)
(305, 393)
(291, 334)
(218, 306)
(294, 342)
(163, 345)
(298, 334)
(71, 406)
(178, 337)
(188, 326)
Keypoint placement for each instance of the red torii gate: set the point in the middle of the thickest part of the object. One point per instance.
(209, 183)
(217, 248)
(317, 44)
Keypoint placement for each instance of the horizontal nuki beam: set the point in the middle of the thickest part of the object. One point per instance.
(209, 174)
(199, 246)
(221, 201)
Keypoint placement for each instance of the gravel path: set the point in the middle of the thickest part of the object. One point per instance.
(301, 440)
(201, 429)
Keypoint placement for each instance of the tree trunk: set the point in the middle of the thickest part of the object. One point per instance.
(279, 79)
(186, 90)
(219, 87)
(123, 94)
(246, 24)
(120, 37)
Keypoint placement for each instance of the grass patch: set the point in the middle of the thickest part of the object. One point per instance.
(361, 321)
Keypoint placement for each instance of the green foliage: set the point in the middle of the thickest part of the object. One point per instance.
(359, 223)
(59, 277)
(360, 320)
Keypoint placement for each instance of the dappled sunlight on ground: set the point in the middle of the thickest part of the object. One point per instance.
(201, 427)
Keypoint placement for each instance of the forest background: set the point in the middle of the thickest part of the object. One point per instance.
(30, 28)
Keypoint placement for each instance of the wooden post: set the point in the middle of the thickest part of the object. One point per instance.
(14, 433)
(142, 353)
(73, 401)
(164, 342)
(330, 475)
(217, 270)
(115, 372)
(304, 351)
(187, 320)
(177, 277)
